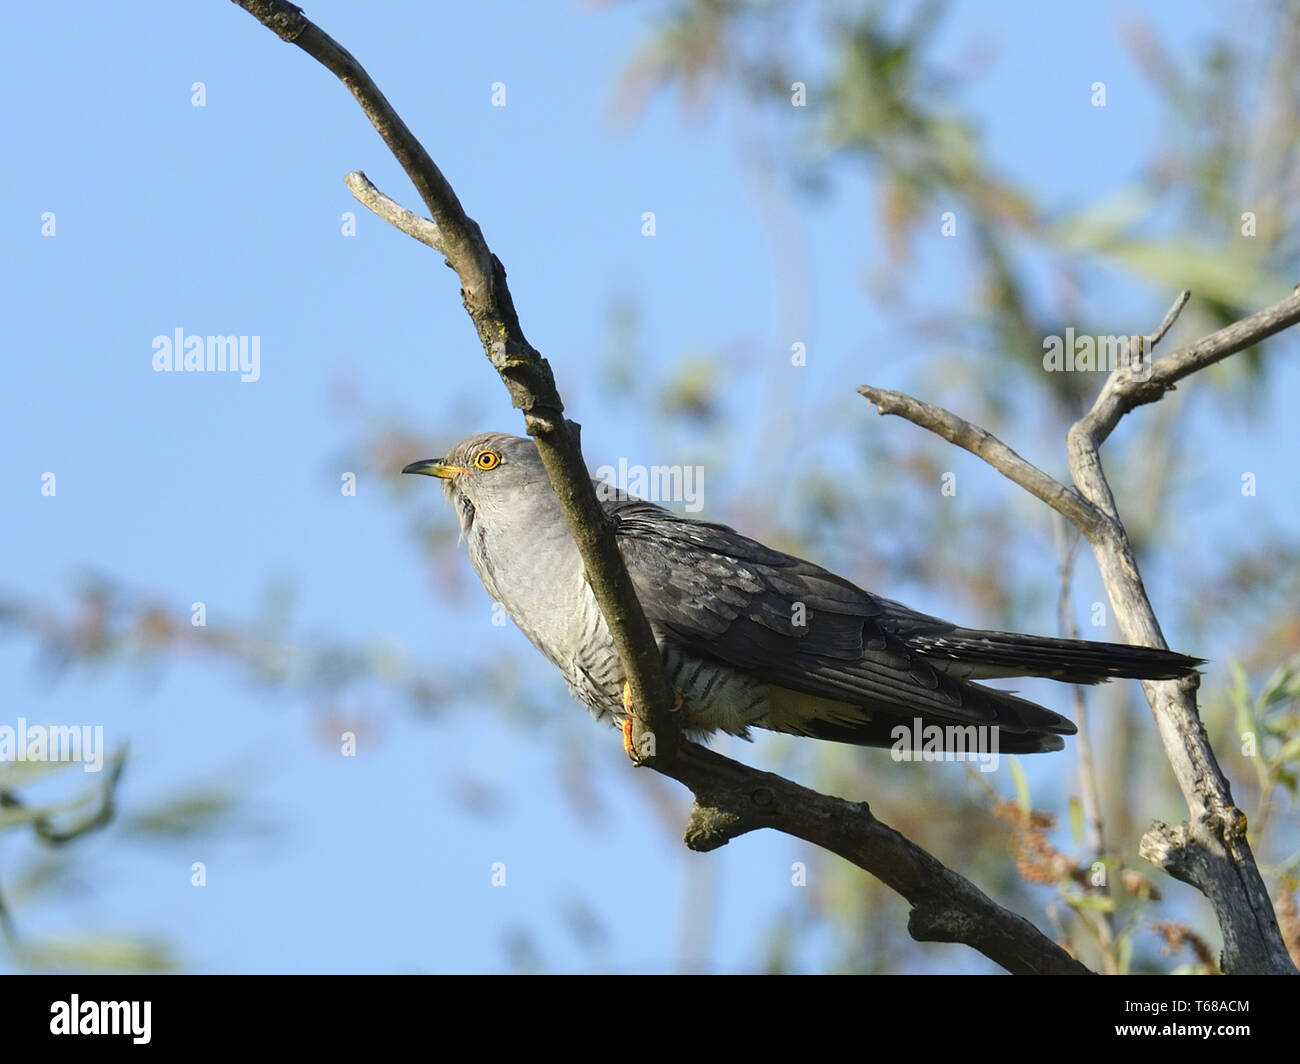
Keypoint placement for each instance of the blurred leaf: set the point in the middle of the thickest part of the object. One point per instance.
(1102, 903)
(1022, 786)
(1289, 752)
(1076, 820)
(98, 953)
(197, 813)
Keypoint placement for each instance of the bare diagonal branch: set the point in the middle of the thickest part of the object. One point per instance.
(983, 444)
(526, 374)
(732, 799)
(410, 223)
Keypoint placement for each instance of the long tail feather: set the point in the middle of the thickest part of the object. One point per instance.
(975, 654)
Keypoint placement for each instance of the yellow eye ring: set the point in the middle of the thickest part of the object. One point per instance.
(487, 460)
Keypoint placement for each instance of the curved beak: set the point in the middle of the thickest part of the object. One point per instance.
(433, 467)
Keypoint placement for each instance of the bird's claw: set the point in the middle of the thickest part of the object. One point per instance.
(628, 747)
(629, 722)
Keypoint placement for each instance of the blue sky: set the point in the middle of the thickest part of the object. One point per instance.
(189, 487)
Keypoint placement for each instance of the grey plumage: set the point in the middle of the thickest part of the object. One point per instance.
(750, 636)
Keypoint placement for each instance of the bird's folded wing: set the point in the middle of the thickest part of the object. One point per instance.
(787, 621)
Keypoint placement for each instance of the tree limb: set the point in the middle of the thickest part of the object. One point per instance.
(982, 443)
(525, 372)
(1125, 390)
(1210, 851)
(731, 798)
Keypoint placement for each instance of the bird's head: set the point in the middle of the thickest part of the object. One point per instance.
(489, 473)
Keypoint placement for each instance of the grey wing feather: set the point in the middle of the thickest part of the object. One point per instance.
(723, 595)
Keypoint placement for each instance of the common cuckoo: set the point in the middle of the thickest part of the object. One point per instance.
(750, 636)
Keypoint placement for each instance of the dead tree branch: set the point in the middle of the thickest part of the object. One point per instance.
(1210, 850)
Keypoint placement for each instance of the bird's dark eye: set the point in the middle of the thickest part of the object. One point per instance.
(487, 460)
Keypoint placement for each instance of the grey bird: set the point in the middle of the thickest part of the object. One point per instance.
(750, 636)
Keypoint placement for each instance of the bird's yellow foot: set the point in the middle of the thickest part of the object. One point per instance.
(629, 746)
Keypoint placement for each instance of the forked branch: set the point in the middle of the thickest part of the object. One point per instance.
(1210, 850)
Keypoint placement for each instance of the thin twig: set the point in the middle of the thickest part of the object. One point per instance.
(1067, 540)
(1171, 315)
(410, 223)
(982, 443)
(1088, 792)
